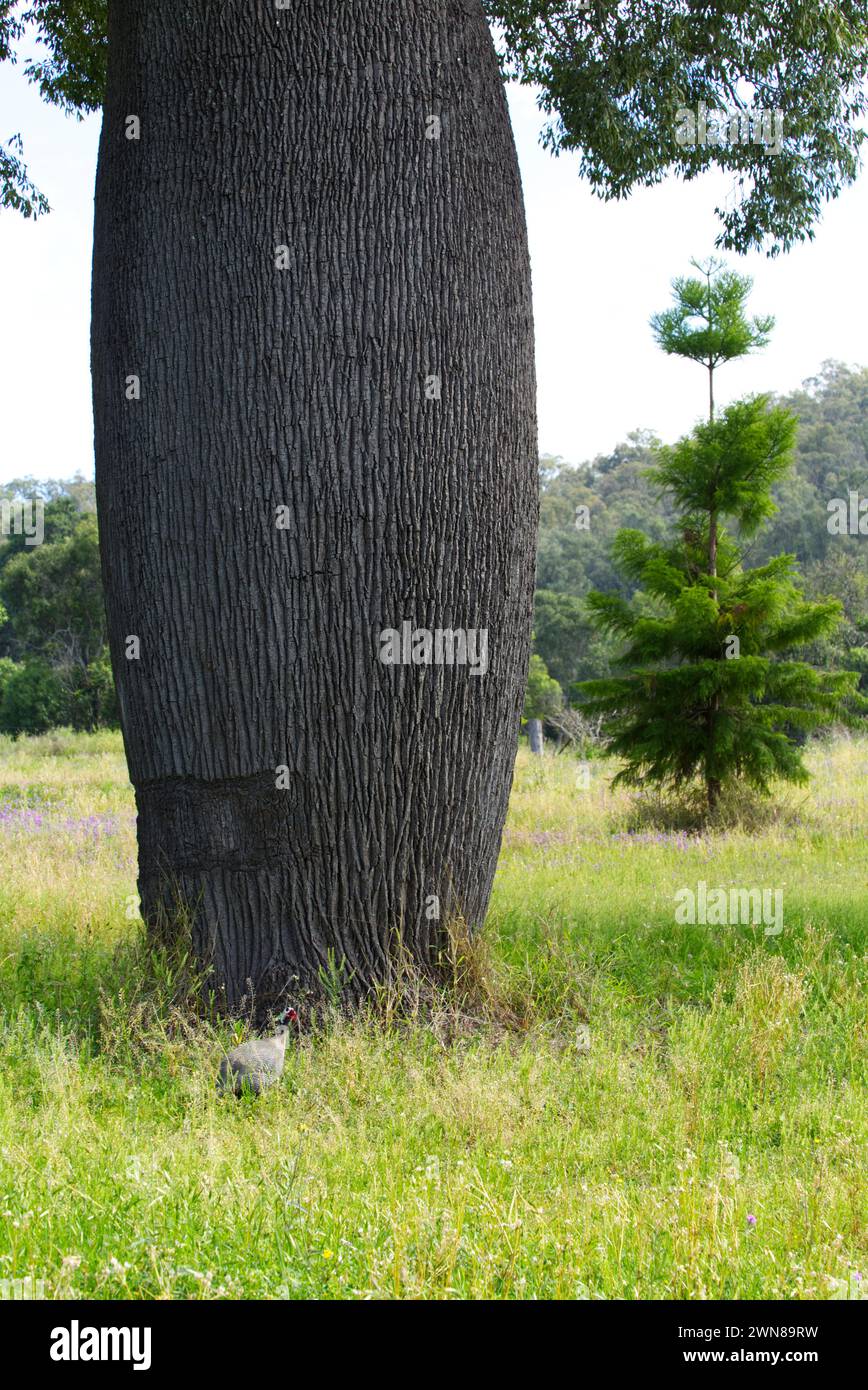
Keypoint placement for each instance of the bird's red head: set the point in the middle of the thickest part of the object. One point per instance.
(289, 1016)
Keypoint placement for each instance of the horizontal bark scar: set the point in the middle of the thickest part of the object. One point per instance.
(234, 823)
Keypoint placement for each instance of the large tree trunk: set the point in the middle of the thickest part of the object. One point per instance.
(304, 380)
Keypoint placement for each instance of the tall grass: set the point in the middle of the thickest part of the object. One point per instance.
(630, 1108)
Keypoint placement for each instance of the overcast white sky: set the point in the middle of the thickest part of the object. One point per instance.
(600, 270)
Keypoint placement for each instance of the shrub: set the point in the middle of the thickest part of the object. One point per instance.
(31, 697)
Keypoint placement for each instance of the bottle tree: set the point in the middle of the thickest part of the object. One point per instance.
(709, 690)
(314, 414)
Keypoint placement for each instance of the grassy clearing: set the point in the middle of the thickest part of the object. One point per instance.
(682, 1115)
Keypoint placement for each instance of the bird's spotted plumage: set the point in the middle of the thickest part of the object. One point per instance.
(258, 1064)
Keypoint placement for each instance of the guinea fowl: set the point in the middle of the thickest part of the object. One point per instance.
(257, 1064)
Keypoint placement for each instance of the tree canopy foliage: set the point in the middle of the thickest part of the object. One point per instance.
(69, 70)
(613, 76)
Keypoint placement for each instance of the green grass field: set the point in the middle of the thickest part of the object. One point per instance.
(669, 1111)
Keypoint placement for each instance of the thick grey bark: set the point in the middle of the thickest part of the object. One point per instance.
(535, 735)
(305, 388)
